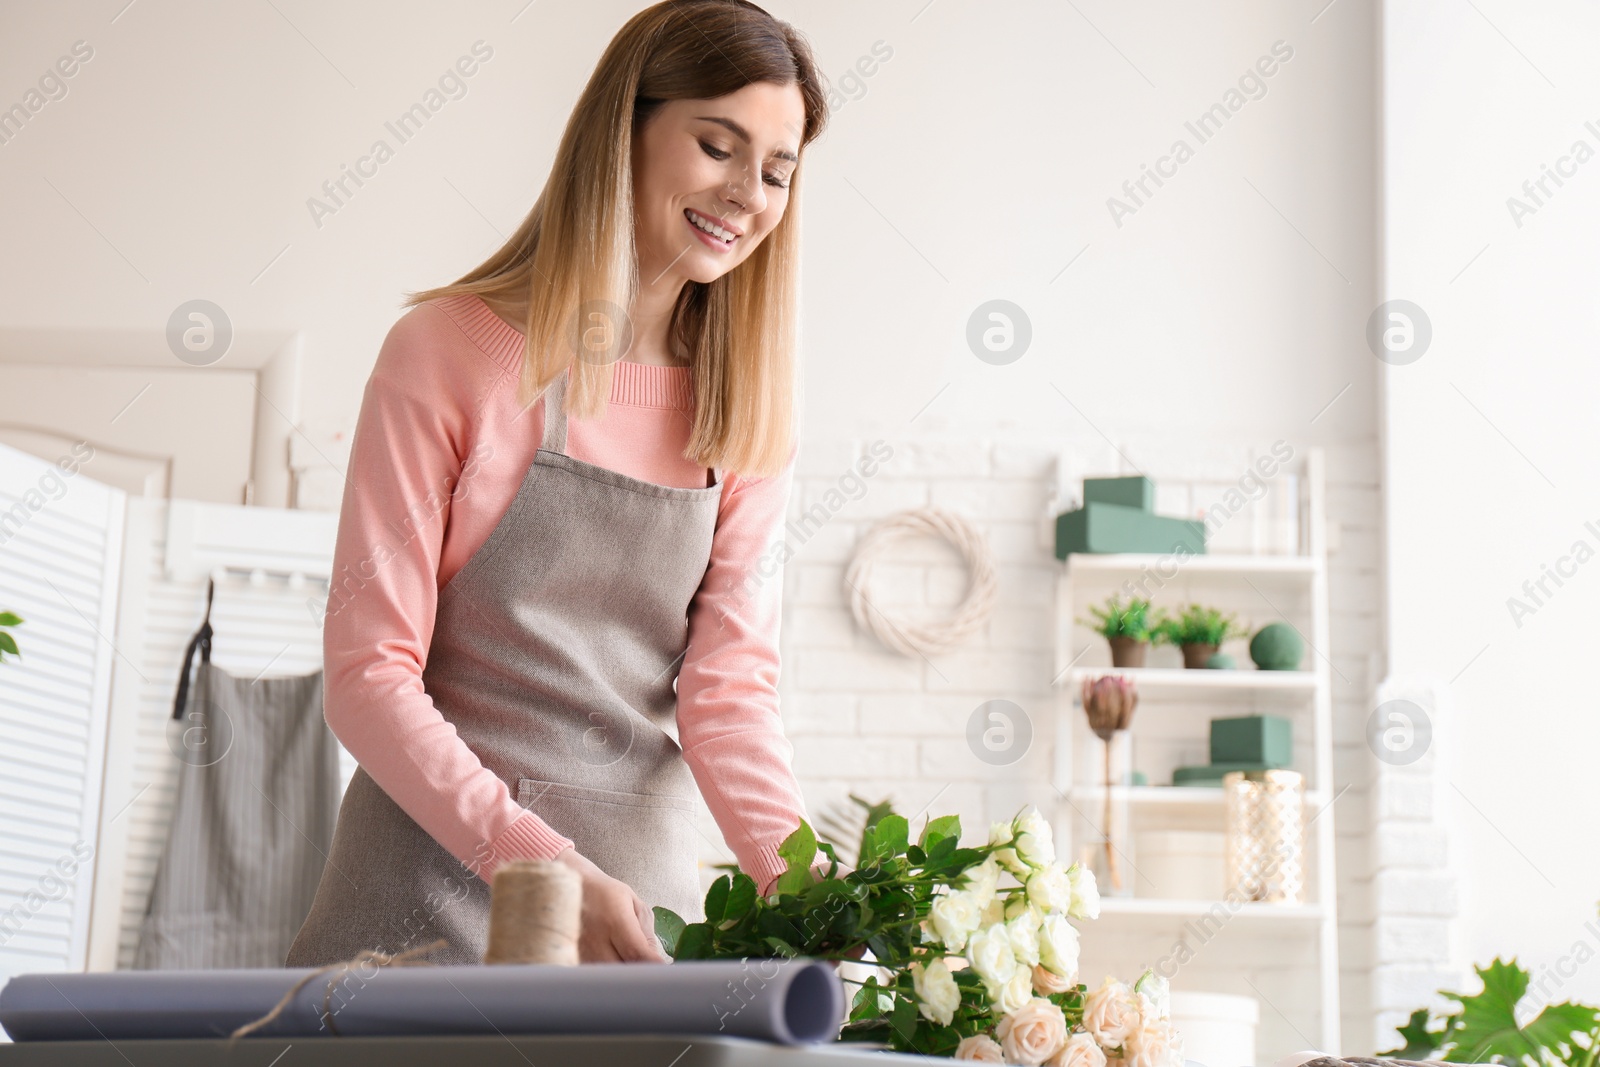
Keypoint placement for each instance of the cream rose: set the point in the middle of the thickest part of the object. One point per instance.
(1046, 981)
(1014, 993)
(938, 996)
(1058, 946)
(989, 953)
(980, 1048)
(1035, 841)
(1079, 1051)
(954, 916)
(1050, 889)
(1111, 1013)
(982, 881)
(1159, 993)
(1024, 933)
(1153, 1043)
(1085, 893)
(1033, 1033)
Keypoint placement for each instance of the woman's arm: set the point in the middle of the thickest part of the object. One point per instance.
(728, 720)
(413, 447)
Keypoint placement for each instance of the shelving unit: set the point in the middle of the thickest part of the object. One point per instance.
(1285, 947)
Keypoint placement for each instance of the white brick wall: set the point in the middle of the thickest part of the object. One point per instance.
(868, 721)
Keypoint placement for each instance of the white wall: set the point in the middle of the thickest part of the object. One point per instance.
(1490, 441)
(975, 163)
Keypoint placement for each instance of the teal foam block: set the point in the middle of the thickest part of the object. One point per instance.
(1136, 492)
(1098, 527)
(1264, 739)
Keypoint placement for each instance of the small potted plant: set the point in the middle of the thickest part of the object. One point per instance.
(7, 642)
(1199, 631)
(1127, 627)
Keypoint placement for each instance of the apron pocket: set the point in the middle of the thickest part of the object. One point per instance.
(648, 840)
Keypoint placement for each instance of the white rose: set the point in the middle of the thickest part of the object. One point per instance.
(938, 996)
(1017, 904)
(982, 881)
(1014, 992)
(954, 917)
(1058, 946)
(1050, 889)
(980, 1048)
(1035, 841)
(1158, 991)
(1153, 1044)
(1079, 1051)
(994, 913)
(1085, 894)
(1032, 1033)
(1000, 833)
(989, 953)
(1111, 1013)
(1024, 933)
(1046, 981)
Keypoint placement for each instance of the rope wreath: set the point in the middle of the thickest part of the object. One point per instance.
(929, 638)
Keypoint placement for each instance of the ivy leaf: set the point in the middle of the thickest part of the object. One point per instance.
(1488, 1025)
(1420, 1042)
(717, 900)
(669, 927)
(798, 850)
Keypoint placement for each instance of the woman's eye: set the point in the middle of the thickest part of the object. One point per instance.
(719, 155)
(714, 153)
(773, 179)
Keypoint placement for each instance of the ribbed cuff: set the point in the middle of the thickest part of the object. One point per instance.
(527, 838)
(765, 865)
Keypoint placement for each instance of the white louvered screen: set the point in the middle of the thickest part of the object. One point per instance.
(269, 630)
(60, 538)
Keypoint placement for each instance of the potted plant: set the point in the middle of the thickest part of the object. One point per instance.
(1199, 631)
(7, 642)
(1127, 627)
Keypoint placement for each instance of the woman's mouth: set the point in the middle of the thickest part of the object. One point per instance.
(714, 235)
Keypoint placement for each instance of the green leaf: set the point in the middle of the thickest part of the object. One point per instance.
(944, 826)
(1420, 1044)
(741, 897)
(780, 946)
(669, 927)
(798, 850)
(9, 619)
(885, 840)
(8, 644)
(1488, 1025)
(903, 1018)
(717, 900)
(694, 943)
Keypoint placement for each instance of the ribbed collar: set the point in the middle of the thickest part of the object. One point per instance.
(633, 384)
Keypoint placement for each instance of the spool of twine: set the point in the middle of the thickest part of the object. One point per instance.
(534, 908)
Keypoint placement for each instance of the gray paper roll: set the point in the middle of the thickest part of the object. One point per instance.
(792, 1002)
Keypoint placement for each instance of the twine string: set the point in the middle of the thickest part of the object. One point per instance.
(924, 638)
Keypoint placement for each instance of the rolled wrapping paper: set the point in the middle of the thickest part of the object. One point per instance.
(797, 1001)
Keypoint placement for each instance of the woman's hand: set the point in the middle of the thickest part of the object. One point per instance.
(615, 925)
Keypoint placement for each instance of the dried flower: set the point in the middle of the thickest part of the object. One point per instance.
(1109, 701)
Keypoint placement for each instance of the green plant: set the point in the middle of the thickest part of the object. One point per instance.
(1486, 1030)
(1198, 625)
(7, 642)
(1134, 620)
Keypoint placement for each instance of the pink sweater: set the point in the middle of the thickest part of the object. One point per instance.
(440, 424)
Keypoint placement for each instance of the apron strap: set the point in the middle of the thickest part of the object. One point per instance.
(555, 415)
(202, 640)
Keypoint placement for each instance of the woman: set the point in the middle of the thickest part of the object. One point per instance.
(559, 526)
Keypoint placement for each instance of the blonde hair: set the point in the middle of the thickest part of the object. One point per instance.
(576, 245)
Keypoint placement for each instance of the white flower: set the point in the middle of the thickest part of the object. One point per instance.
(995, 912)
(1000, 833)
(980, 1048)
(1079, 1051)
(1016, 991)
(1058, 946)
(1158, 991)
(954, 916)
(1111, 1014)
(1033, 1033)
(1024, 933)
(1085, 894)
(989, 953)
(1046, 981)
(1016, 904)
(1153, 1043)
(938, 996)
(982, 881)
(1035, 841)
(1050, 889)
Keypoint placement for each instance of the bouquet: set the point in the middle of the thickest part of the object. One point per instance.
(977, 952)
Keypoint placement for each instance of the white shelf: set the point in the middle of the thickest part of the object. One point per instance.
(1153, 908)
(1165, 679)
(1189, 796)
(1120, 563)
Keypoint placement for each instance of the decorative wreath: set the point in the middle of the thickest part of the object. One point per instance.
(928, 638)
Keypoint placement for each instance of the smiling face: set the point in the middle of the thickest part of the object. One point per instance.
(724, 163)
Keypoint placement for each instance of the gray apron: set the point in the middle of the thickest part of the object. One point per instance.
(555, 656)
(251, 823)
